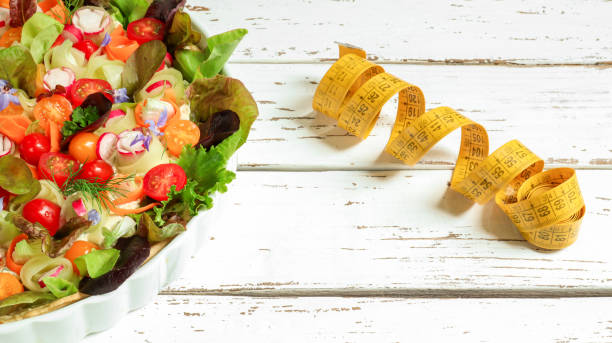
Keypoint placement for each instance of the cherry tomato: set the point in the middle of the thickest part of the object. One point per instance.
(55, 108)
(87, 46)
(78, 249)
(159, 180)
(32, 146)
(146, 29)
(83, 147)
(57, 166)
(4, 195)
(84, 87)
(44, 212)
(96, 171)
(180, 133)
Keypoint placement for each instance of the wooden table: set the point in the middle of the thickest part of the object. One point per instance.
(328, 239)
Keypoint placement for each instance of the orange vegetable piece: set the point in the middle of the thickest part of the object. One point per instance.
(11, 35)
(55, 9)
(55, 108)
(10, 263)
(140, 121)
(130, 195)
(78, 249)
(13, 123)
(9, 285)
(120, 47)
(5, 3)
(179, 133)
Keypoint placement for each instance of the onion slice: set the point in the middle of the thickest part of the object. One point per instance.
(126, 145)
(6, 145)
(61, 76)
(163, 84)
(52, 273)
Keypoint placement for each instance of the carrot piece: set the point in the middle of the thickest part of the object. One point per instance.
(11, 110)
(9, 285)
(55, 9)
(10, 263)
(54, 136)
(79, 248)
(125, 211)
(134, 195)
(120, 47)
(33, 170)
(5, 3)
(13, 123)
(10, 36)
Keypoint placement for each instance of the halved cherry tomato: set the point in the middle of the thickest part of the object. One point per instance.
(83, 147)
(180, 133)
(43, 212)
(84, 87)
(146, 29)
(96, 171)
(55, 108)
(10, 263)
(10, 36)
(87, 46)
(57, 166)
(159, 180)
(78, 249)
(33, 146)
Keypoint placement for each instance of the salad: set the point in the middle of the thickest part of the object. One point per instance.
(115, 130)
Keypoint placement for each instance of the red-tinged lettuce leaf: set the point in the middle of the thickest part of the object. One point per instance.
(209, 96)
(217, 128)
(164, 10)
(134, 251)
(157, 234)
(15, 175)
(142, 64)
(21, 11)
(181, 33)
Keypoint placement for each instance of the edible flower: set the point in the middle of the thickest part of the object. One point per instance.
(106, 41)
(94, 216)
(120, 96)
(155, 127)
(145, 139)
(7, 95)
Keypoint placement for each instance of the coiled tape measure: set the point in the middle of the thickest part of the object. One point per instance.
(546, 207)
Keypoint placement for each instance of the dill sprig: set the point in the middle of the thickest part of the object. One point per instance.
(95, 190)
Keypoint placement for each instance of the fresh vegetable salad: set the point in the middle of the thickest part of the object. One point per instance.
(115, 130)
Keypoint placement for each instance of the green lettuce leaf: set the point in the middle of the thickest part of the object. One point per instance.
(218, 50)
(208, 96)
(157, 234)
(24, 300)
(126, 227)
(39, 33)
(97, 262)
(18, 67)
(142, 64)
(187, 60)
(8, 230)
(60, 287)
(184, 203)
(25, 250)
(131, 9)
(15, 176)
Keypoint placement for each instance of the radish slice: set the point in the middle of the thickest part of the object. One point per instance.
(128, 143)
(6, 145)
(72, 33)
(5, 15)
(61, 76)
(153, 109)
(52, 273)
(155, 86)
(79, 207)
(166, 63)
(112, 116)
(107, 146)
(93, 22)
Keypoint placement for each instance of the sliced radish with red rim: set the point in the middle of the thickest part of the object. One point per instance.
(6, 145)
(107, 146)
(72, 33)
(61, 76)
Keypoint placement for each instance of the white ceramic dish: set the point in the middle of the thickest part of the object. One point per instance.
(72, 323)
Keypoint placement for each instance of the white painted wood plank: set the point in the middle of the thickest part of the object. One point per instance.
(240, 319)
(399, 232)
(423, 31)
(563, 114)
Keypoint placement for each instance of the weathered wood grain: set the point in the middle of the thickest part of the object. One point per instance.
(424, 31)
(400, 233)
(244, 319)
(562, 114)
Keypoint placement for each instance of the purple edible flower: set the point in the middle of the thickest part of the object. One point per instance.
(7, 95)
(107, 39)
(94, 216)
(120, 96)
(146, 140)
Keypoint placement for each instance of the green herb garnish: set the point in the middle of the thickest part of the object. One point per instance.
(81, 118)
(95, 190)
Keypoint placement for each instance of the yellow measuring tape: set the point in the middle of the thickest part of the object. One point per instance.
(546, 207)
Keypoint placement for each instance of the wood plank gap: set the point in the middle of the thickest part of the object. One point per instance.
(307, 169)
(449, 62)
(401, 293)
